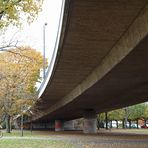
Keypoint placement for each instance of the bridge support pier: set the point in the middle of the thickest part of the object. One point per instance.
(59, 125)
(90, 121)
(69, 125)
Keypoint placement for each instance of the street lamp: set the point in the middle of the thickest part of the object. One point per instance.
(24, 111)
(44, 58)
(22, 121)
(31, 113)
(22, 124)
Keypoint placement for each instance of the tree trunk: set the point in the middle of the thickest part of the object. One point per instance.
(137, 123)
(7, 120)
(22, 124)
(117, 123)
(31, 126)
(98, 123)
(123, 124)
(126, 118)
(106, 120)
(129, 124)
(111, 124)
(144, 122)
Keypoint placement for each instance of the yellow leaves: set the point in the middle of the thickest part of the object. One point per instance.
(13, 11)
(19, 73)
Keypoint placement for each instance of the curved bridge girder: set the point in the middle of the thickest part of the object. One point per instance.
(102, 60)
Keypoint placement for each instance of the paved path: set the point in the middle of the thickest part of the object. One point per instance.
(100, 140)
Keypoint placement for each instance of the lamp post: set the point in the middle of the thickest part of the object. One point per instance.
(44, 58)
(22, 120)
(31, 126)
(22, 124)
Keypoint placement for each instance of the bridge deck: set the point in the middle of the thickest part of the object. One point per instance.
(100, 64)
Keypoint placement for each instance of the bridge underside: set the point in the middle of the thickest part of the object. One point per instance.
(102, 63)
(124, 85)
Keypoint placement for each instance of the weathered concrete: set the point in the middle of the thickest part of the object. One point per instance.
(90, 121)
(69, 125)
(59, 125)
(95, 66)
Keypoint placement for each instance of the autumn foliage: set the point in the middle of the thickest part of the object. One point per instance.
(19, 72)
(14, 11)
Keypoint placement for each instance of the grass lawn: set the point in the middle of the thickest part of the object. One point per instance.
(27, 133)
(17, 133)
(29, 143)
(19, 142)
(46, 139)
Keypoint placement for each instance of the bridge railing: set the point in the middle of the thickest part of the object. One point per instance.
(54, 54)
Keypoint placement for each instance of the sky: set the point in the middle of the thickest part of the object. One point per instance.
(32, 35)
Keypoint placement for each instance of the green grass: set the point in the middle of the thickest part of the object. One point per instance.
(46, 139)
(20, 143)
(17, 133)
(26, 133)
(27, 140)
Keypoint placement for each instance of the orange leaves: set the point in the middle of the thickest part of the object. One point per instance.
(12, 12)
(18, 75)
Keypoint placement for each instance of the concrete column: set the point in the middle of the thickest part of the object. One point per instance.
(90, 122)
(59, 126)
(69, 125)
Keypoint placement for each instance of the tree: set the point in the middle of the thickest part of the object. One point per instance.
(127, 114)
(116, 115)
(14, 11)
(18, 76)
(136, 111)
(133, 113)
(8, 45)
(145, 114)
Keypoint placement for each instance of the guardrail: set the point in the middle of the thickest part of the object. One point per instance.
(54, 54)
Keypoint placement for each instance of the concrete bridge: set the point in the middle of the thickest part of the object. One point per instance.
(101, 62)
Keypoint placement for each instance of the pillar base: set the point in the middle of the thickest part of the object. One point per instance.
(90, 122)
(59, 126)
(69, 125)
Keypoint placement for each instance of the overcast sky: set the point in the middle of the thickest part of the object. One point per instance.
(32, 35)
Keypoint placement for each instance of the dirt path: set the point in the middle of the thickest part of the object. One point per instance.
(104, 139)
